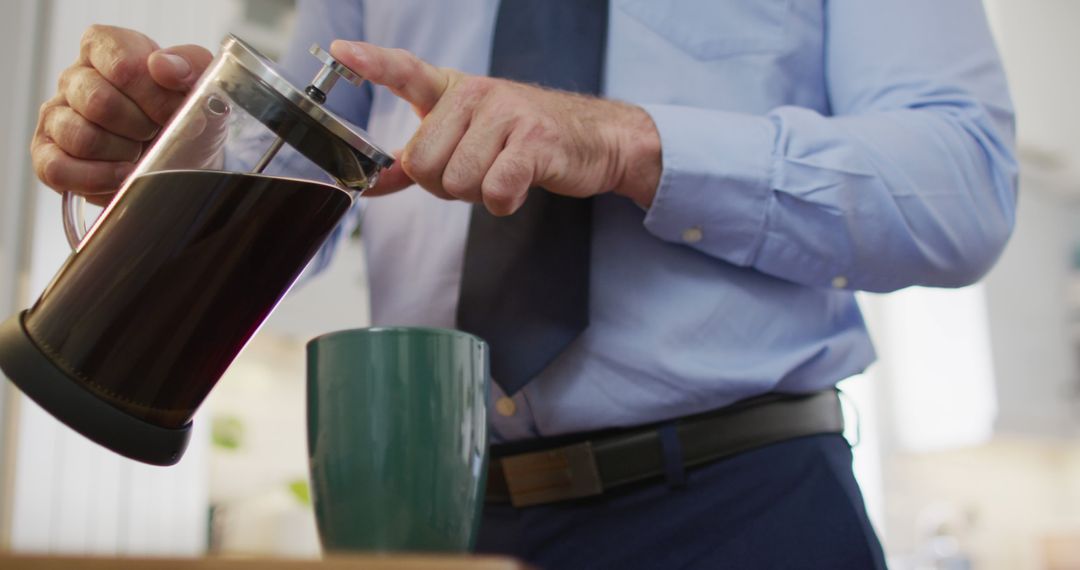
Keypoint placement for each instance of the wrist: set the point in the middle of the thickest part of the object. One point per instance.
(638, 152)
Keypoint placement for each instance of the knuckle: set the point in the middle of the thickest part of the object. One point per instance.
(516, 97)
(465, 166)
(118, 53)
(67, 77)
(38, 159)
(44, 111)
(399, 78)
(473, 88)
(101, 104)
(49, 120)
(502, 105)
(124, 71)
(407, 56)
(456, 184)
(506, 110)
(409, 163)
(513, 171)
(397, 83)
(492, 185)
(498, 188)
(499, 204)
(81, 140)
(401, 62)
(417, 165)
(50, 171)
(537, 130)
(92, 33)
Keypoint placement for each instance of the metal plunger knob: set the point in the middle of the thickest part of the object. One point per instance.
(328, 75)
(320, 86)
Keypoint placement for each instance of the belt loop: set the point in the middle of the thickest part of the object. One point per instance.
(671, 450)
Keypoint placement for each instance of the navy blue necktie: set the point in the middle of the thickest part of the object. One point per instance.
(525, 280)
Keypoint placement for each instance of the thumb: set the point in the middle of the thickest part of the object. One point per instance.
(178, 68)
(406, 75)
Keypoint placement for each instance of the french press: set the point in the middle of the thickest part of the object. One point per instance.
(198, 246)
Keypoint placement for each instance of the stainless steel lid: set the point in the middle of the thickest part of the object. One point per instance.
(298, 117)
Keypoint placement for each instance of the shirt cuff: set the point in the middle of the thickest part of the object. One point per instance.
(714, 190)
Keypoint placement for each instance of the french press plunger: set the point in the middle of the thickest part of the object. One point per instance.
(199, 245)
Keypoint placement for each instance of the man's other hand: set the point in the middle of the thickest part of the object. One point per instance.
(110, 104)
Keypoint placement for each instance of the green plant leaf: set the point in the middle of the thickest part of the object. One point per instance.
(301, 491)
(227, 432)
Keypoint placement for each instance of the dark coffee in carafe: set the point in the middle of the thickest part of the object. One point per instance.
(172, 283)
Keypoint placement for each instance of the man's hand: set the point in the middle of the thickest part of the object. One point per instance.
(109, 105)
(490, 140)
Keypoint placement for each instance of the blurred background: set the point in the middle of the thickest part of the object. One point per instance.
(967, 429)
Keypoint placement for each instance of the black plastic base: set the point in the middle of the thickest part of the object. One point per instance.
(63, 397)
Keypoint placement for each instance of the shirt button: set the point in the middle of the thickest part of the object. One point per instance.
(692, 235)
(505, 406)
(839, 282)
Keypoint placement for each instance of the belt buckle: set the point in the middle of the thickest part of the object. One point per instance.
(554, 475)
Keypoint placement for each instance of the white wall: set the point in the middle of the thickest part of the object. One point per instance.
(1039, 45)
(17, 33)
(70, 495)
(16, 41)
(1035, 357)
(935, 358)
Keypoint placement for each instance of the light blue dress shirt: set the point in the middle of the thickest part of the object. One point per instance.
(811, 148)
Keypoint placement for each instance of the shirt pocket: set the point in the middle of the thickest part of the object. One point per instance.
(713, 29)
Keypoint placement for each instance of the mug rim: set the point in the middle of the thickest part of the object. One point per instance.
(429, 331)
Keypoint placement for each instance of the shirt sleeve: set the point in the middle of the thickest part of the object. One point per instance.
(909, 180)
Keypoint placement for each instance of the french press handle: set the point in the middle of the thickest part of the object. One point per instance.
(74, 206)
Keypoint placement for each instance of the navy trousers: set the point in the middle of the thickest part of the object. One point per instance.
(788, 505)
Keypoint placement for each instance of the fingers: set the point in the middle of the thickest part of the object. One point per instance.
(86, 91)
(121, 57)
(456, 153)
(178, 68)
(506, 184)
(65, 173)
(430, 148)
(474, 156)
(407, 76)
(502, 179)
(80, 138)
(115, 98)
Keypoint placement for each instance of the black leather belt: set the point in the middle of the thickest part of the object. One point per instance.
(592, 464)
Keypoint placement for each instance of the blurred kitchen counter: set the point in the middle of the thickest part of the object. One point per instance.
(371, 562)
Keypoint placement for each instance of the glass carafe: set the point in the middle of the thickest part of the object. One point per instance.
(199, 245)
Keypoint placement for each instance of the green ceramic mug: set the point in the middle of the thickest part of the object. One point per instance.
(397, 438)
